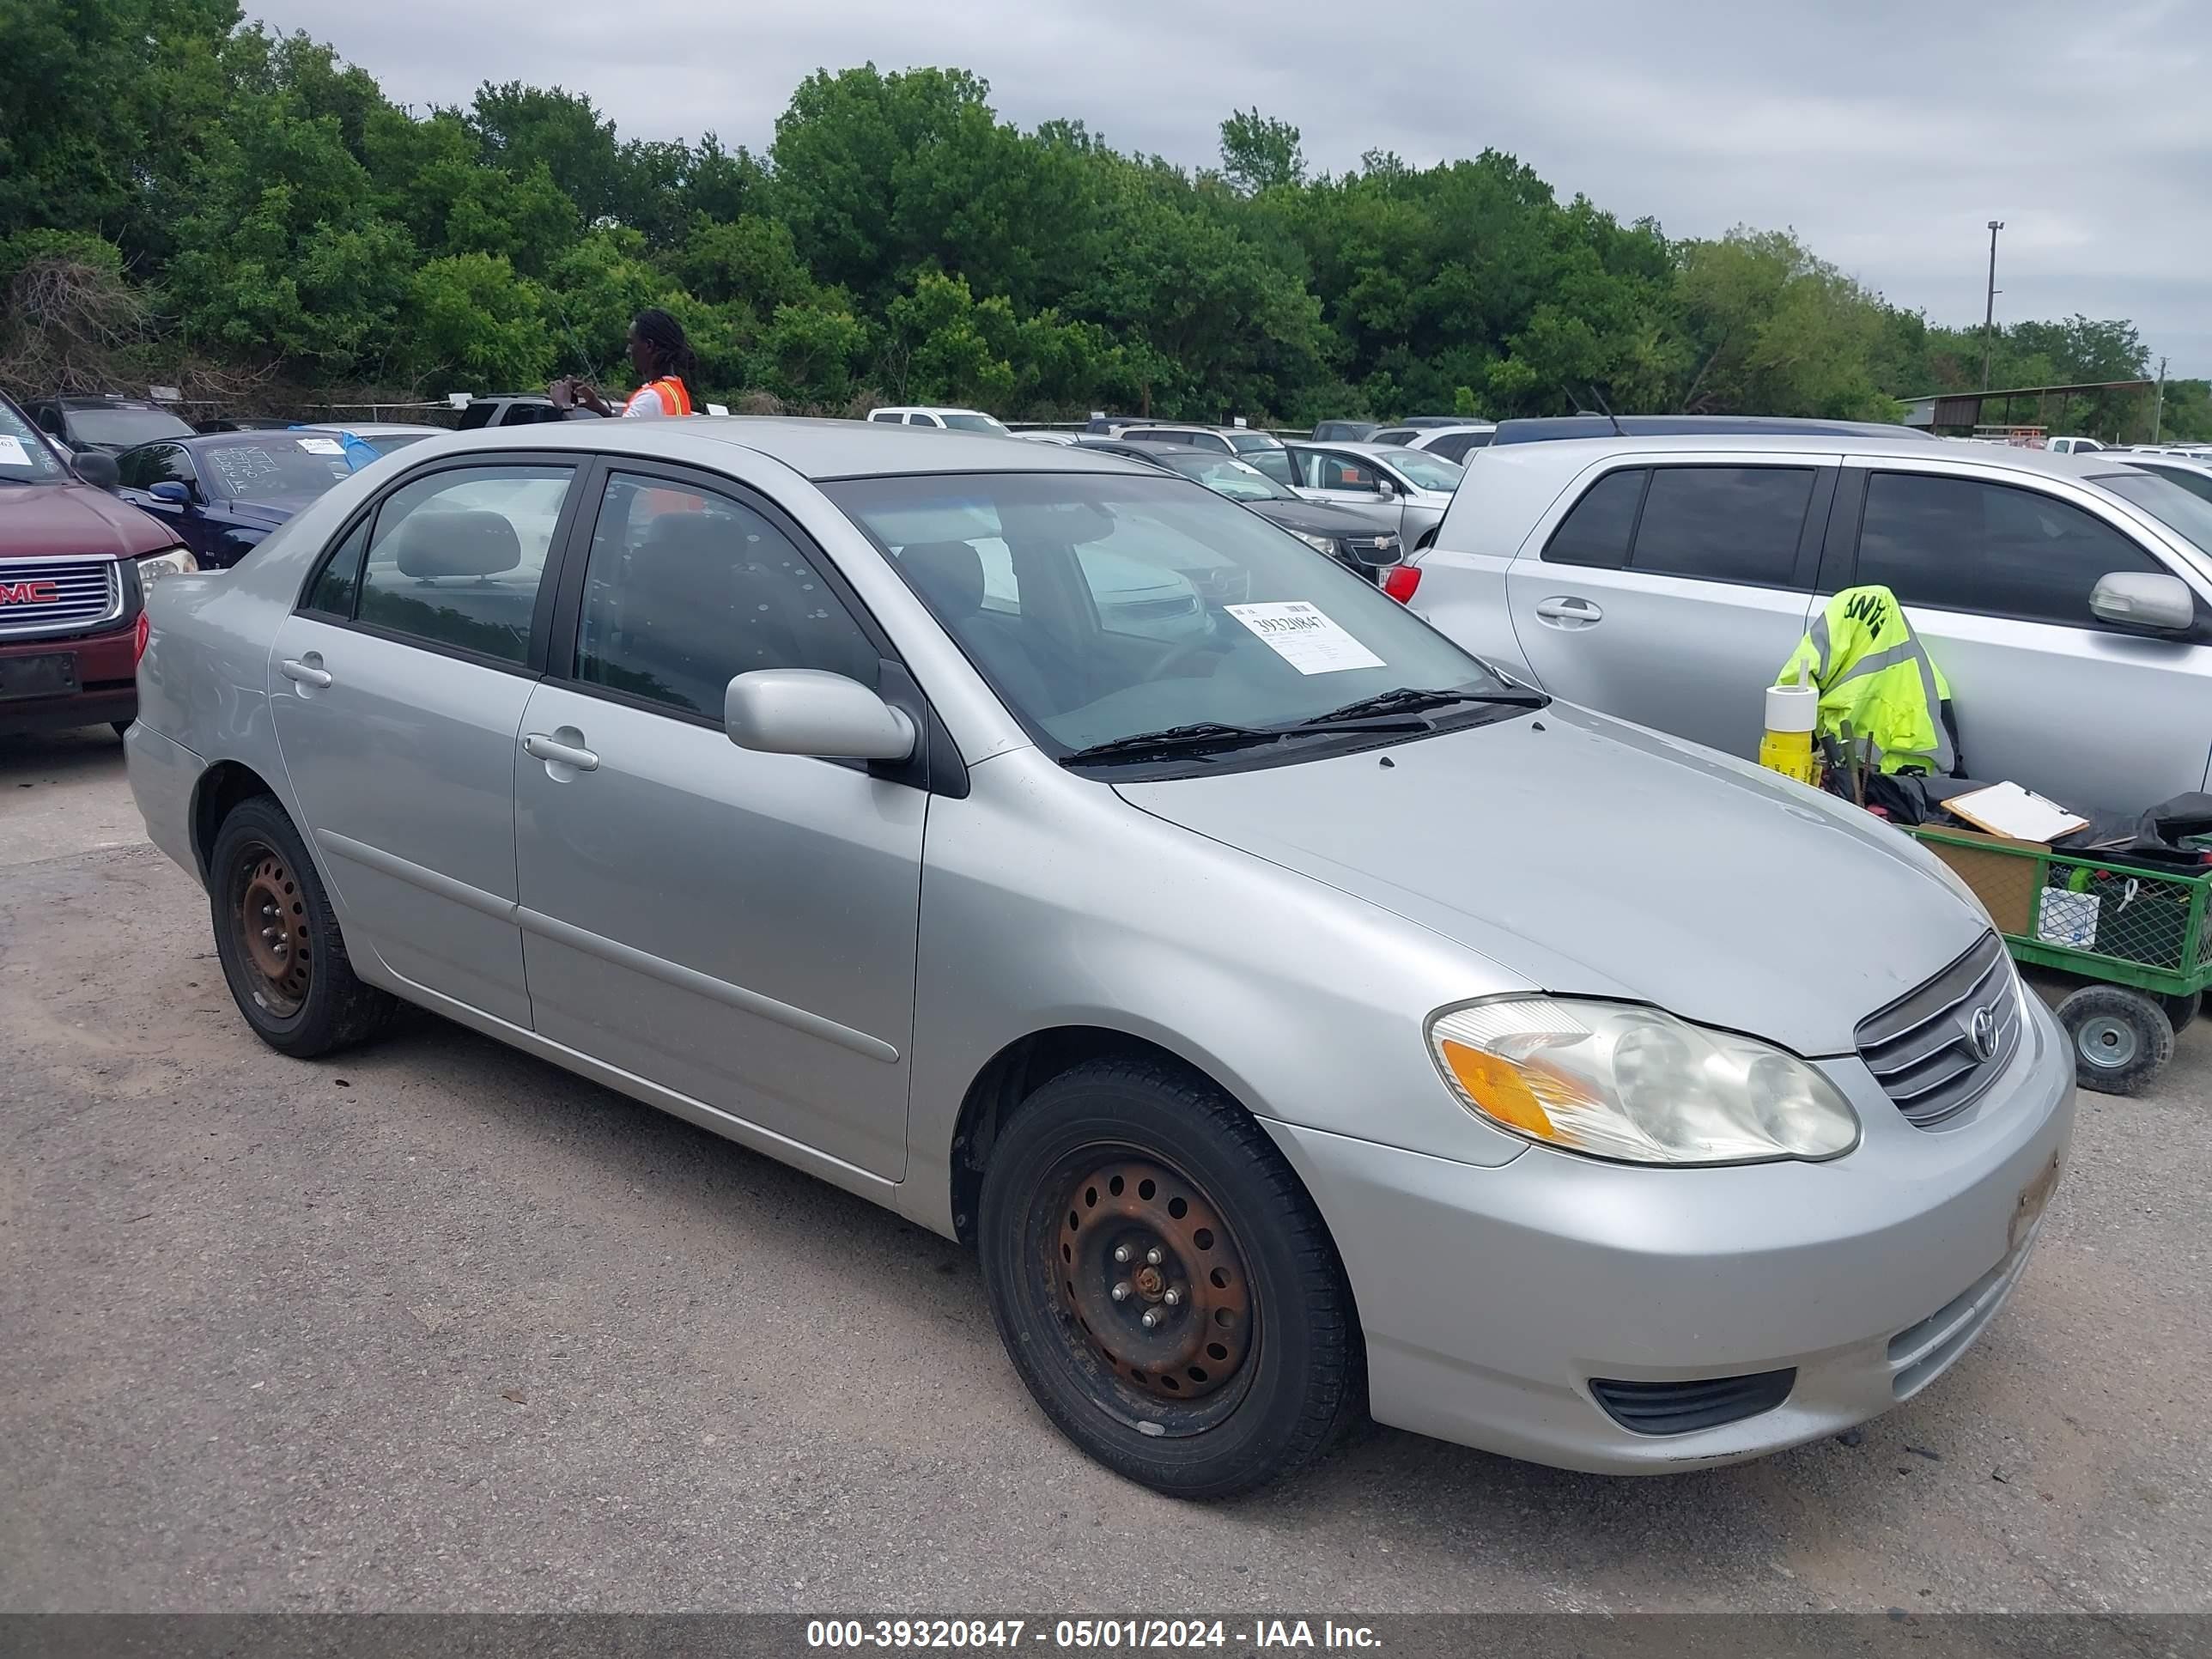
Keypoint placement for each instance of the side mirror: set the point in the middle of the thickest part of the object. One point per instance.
(807, 711)
(170, 490)
(1385, 488)
(97, 468)
(2139, 599)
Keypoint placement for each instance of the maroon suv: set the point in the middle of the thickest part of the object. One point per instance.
(74, 566)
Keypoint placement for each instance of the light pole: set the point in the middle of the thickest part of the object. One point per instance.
(1990, 310)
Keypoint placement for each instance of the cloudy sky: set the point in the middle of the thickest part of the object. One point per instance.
(1888, 133)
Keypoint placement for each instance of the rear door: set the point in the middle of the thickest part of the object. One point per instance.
(1995, 572)
(398, 689)
(1671, 591)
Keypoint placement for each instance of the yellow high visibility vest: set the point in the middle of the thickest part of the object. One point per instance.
(1873, 671)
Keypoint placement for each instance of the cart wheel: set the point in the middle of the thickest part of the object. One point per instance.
(2122, 1038)
(2179, 1011)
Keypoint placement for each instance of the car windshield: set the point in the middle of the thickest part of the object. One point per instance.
(25, 457)
(1238, 480)
(385, 442)
(122, 429)
(1245, 442)
(305, 465)
(1424, 470)
(1102, 606)
(976, 423)
(2179, 510)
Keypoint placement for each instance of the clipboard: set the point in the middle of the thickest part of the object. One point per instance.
(2018, 814)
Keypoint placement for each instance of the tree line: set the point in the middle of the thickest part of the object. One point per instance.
(193, 198)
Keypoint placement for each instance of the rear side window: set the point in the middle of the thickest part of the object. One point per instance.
(336, 588)
(1962, 545)
(887, 417)
(1724, 523)
(1596, 531)
(1457, 446)
(457, 557)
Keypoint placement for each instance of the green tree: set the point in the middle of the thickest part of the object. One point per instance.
(1261, 153)
(472, 318)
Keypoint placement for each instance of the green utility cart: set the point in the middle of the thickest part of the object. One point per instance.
(2135, 932)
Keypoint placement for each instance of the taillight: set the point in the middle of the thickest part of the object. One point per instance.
(1401, 581)
(141, 631)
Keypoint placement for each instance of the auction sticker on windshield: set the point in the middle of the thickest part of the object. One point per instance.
(12, 453)
(322, 446)
(1304, 637)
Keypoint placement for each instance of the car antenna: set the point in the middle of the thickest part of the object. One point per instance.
(1619, 431)
(583, 356)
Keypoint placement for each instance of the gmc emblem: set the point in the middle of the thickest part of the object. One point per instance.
(28, 593)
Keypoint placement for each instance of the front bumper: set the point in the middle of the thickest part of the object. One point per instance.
(106, 684)
(1490, 1298)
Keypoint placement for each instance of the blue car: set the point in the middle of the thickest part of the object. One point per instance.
(223, 491)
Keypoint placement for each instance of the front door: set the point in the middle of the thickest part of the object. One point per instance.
(1671, 595)
(736, 927)
(1343, 478)
(398, 688)
(1995, 580)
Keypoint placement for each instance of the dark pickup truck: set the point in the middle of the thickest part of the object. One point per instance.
(75, 562)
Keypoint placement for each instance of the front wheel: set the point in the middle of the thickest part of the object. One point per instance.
(278, 941)
(1165, 1285)
(2122, 1038)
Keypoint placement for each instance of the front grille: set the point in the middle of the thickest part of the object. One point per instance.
(1704, 1402)
(58, 596)
(1921, 1049)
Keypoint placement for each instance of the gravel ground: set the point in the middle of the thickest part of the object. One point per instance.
(439, 1327)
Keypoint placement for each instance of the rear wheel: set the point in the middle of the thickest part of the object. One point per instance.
(1165, 1285)
(278, 939)
(2122, 1038)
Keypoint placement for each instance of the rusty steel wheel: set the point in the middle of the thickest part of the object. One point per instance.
(271, 924)
(1163, 1281)
(1150, 1271)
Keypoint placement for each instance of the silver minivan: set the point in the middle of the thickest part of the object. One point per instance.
(2067, 598)
(1297, 1017)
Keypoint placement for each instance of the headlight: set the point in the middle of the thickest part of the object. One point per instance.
(1319, 543)
(1617, 1081)
(176, 561)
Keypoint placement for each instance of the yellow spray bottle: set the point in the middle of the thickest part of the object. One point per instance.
(1792, 712)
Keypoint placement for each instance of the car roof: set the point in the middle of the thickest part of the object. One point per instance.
(1442, 431)
(1576, 456)
(1379, 452)
(1555, 427)
(815, 449)
(929, 409)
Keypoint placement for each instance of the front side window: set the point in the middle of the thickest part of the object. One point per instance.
(1962, 545)
(457, 557)
(1329, 470)
(152, 464)
(1101, 606)
(686, 589)
(1724, 523)
(1275, 462)
(25, 457)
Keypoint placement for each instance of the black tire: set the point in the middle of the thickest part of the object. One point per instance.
(2122, 1038)
(1295, 1379)
(2179, 1011)
(304, 999)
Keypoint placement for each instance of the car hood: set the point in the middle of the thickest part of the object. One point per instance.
(1315, 518)
(270, 510)
(1594, 858)
(74, 520)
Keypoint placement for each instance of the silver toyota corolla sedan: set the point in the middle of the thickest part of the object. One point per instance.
(1296, 1016)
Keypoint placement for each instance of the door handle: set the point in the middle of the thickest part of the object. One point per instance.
(1569, 612)
(554, 752)
(305, 673)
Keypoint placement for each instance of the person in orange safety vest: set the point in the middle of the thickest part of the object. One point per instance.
(665, 368)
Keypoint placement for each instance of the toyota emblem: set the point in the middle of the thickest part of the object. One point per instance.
(1982, 1034)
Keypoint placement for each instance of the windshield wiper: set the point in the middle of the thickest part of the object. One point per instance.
(1193, 739)
(1407, 700)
